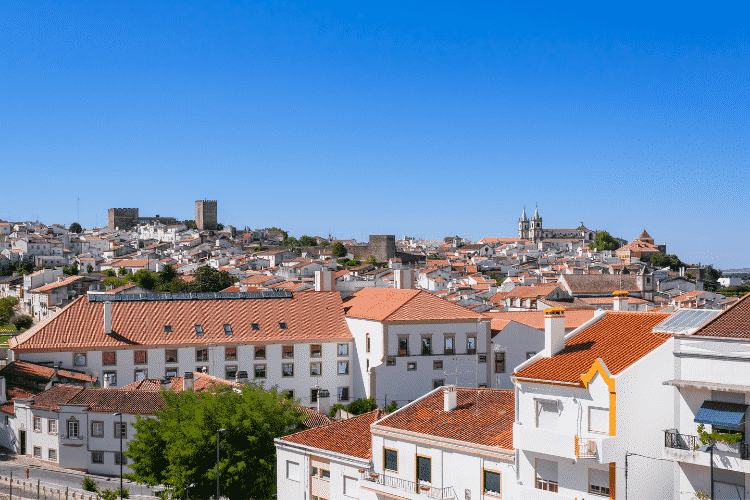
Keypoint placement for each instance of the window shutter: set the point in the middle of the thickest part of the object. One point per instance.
(546, 470)
(546, 415)
(599, 478)
(599, 419)
(292, 470)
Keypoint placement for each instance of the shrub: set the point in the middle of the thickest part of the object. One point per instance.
(89, 484)
(22, 322)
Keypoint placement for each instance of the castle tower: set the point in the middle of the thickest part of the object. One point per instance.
(205, 214)
(535, 233)
(523, 226)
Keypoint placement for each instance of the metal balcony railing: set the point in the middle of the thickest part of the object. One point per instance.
(427, 491)
(673, 439)
(585, 447)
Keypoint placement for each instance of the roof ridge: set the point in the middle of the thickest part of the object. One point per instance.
(404, 303)
(744, 297)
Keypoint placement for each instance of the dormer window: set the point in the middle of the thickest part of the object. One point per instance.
(282, 325)
(198, 331)
(167, 328)
(255, 326)
(227, 329)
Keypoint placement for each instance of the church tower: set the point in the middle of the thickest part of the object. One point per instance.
(535, 233)
(523, 226)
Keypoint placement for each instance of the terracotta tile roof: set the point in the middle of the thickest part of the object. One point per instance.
(35, 373)
(535, 319)
(348, 437)
(309, 316)
(535, 290)
(385, 304)
(619, 338)
(14, 392)
(733, 322)
(483, 416)
(599, 283)
(313, 418)
(611, 300)
(131, 263)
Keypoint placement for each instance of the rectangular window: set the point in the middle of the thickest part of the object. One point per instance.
(198, 330)
(255, 326)
(367, 343)
(140, 374)
(530, 354)
(599, 482)
(292, 470)
(170, 356)
(282, 325)
(121, 430)
(287, 369)
(316, 369)
(111, 377)
(438, 382)
(109, 358)
(599, 420)
(140, 357)
(343, 349)
(492, 482)
(482, 358)
(546, 475)
(97, 457)
(37, 452)
(37, 424)
(230, 372)
(437, 364)
(230, 354)
(424, 469)
(79, 359)
(343, 394)
(260, 352)
(170, 372)
(325, 474)
(167, 328)
(343, 367)
(314, 397)
(260, 371)
(120, 458)
(287, 351)
(546, 414)
(52, 455)
(403, 346)
(390, 460)
(351, 487)
(316, 350)
(471, 345)
(72, 429)
(449, 344)
(201, 355)
(426, 345)
(97, 429)
(227, 329)
(390, 361)
(411, 367)
(499, 362)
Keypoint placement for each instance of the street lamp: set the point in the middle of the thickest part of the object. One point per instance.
(187, 490)
(119, 430)
(218, 441)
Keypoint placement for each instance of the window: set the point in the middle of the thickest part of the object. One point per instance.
(227, 329)
(530, 354)
(201, 354)
(426, 345)
(316, 369)
(343, 394)
(390, 361)
(287, 369)
(97, 457)
(411, 367)
(97, 429)
(121, 430)
(424, 469)
(198, 330)
(314, 471)
(170, 356)
(141, 375)
(471, 345)
(292, 470)
(325, 474)
(287, 351)
(37, 424)
(109, 358)
(79, 359)
(449, 343)
(52, 455)
(37, 452)
(120, 458)
(599, 482)
(492, 482)
(546, 414)
(111, 377)
(255, 326)
(438, 382)
(260, 371)
(167, 328)
(499, 362)
(282, 325)
(546, 475)
(260, 352)
(403, 346)
(73, 429)
(351, 487)
(230, 372)
(367, 343)
(390, 460)
(316, 350)
(482, 358)
(170, 372)
(343, 367)
(599, 420)
(437, 364)
(314, 397)
(140, 357)
(230, 354)
(343, 349)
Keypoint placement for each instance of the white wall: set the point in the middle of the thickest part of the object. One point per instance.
(515, 340)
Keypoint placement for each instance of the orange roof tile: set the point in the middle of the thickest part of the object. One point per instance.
(535, 319)
(733, 322)
(393, 305)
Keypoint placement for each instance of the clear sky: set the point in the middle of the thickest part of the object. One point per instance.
(421, 118)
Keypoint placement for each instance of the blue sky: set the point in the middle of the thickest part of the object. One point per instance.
(419, 118)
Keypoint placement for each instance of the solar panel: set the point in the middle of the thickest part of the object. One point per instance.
(686, 321)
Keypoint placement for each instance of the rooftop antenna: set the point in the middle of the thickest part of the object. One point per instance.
(78, 206)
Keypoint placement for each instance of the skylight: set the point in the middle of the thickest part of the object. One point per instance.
(198, 331)
(227, 329)
(282, 325)
(167, 328)
(255, 326)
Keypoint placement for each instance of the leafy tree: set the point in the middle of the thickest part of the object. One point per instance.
(174, 286)
(89, 484)
(324, 243)
(284, 233)
(71, 270)
(123, 271)
(192, 225)
(110, 272)
(335, 408)
(144, 278)
(392, 406)
(372, 260)
(307, 241)
(339, 250)
(167, 274)
(115, 282)
(290, 242)
(689, 276)
(89, 268)
(179, 446)
(664, 260)
(604, 241)
(7, 304)
(360, 406)
(23, 322)
(75, 228)
(219, 226)
(208, 279)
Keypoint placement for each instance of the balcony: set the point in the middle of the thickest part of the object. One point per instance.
(382, 483)
(585, 447)
(685, 448)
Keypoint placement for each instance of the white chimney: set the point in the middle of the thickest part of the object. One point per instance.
(108, 318)
(554, 330)
(621, 301)
(3, 395)
(323, 281)
(188, 382)
(450, 398)
(323, 403)
(403, 279)
(105, 382)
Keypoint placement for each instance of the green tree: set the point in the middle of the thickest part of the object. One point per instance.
(123, 271)
(335, 408)
(109, 272)
(339, 250)
(23, 322)
(372, 260)
(219, 226)
(115, 282)
(360, 406)
(71, 270)
(7, 305)
(307, 241)
(192, 225)
(324, 243)
(89, 269)
(284, 233)
(179, 447)
(167, 274)
(290, 242)
(604, 241)
(392, 406)
(75, 228)
(208, 279)
(664, 260)
(144, 278)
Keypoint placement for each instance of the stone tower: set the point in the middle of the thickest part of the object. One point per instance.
(535, 233)
(383, 246)
(123, 218)
(523, 226)
(205, 214)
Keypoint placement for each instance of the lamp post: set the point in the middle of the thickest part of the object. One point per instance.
(187, 490)
(218, 448)
(119, 431)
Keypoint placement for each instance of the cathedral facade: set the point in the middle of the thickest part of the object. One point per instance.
(533, 230)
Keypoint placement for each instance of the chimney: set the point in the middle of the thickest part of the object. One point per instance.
(323, 281)
(241, 377)
(554, 330)
(621, 300)
(108, 318)
(3, 396)
(187, 381)
(166, 383)
(105, 382)
(450, 398)
(323, 405)
(403, 279)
